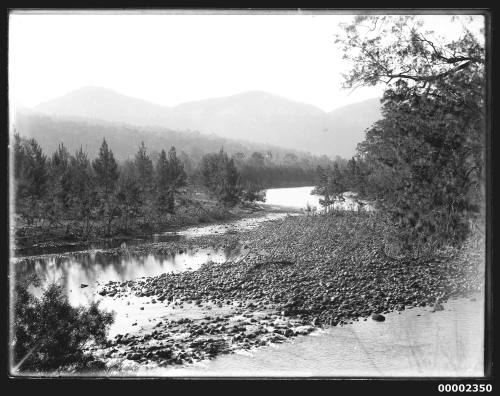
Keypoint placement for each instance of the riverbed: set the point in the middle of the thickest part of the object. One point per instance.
(414, 342)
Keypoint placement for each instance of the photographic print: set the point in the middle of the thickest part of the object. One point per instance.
(259, 193)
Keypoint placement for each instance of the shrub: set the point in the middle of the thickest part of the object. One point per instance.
(50, 334)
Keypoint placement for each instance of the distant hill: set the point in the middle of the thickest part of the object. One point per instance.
(348, 124)
(254, 116)
(124, 139)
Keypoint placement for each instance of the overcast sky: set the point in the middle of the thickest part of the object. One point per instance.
(170, 59)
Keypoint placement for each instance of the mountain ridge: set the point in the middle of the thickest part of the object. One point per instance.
(124, 139)
(256, 116)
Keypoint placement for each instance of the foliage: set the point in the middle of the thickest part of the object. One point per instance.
(331, 186)
(50, 334)
(82, 197)
(144, 168)
(170, 176)
(106, 177)
(82, 186)
(423, 161)
(270, 170)
(389, 49)
(30, 168)
(253, 192)
(221, 177)
(106, 169)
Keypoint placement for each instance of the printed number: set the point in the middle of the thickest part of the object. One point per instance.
(465, 387)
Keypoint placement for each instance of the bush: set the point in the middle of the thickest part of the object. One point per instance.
(254, 192)
(50, 334)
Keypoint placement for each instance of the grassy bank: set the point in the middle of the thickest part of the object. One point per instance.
(196, 209)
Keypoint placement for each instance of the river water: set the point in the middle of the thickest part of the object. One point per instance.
(294, 197)
(415, 342)
(81, 272)
(301, 198)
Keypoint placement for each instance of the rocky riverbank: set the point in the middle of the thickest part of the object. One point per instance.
(293, 275)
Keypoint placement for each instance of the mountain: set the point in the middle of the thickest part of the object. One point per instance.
(124, 139)
(104, 104)
(255, 116)
(348, 124)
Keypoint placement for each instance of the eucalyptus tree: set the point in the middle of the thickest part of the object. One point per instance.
(426, 154)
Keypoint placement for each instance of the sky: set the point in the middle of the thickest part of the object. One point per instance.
(174, 58)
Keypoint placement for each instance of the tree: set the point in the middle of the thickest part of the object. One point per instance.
(257, 159)
(426, 154)
(106, 169)
(20, 168)
(129, 197)
(60, 181)
(290, 158)
(35, 169)
(82, 187)
(31, 171)
(50, 334)
(144, 169)
(176, 176)
(188, 166)
(211, 172)
(170, 176)
(164, 193)
(323, 187)
(106, 172)
(332, 185)
(231, 190)
(221, 177)
(387, 49)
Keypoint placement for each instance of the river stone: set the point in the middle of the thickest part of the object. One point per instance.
(303, 330)
(378, 317)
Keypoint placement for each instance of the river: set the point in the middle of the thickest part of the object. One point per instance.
(415, 342)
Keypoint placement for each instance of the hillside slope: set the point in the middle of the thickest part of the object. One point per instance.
(255, 116)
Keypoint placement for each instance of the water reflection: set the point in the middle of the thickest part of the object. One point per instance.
(80, 274)
(223, 228)
(102, 244)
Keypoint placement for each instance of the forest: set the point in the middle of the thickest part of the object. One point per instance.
(102, 196)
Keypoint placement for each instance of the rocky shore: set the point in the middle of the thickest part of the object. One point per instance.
(291, 276)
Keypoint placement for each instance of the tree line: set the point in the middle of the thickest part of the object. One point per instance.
(65, 186)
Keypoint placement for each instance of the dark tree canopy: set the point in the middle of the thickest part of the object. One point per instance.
(144, 168)
(50, 334)
(221, 176)
(423, 162)
(106, 168)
